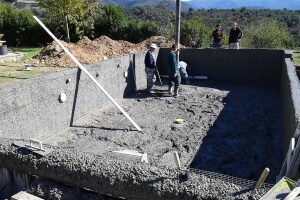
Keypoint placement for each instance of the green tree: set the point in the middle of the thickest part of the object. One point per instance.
(85, 23)
(268, 34)
(194, 33)
(138, 30)
(64, 10)
(18, 26)
(111, 22)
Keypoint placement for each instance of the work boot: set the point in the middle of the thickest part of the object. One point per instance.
(176, 91)
(170, 89)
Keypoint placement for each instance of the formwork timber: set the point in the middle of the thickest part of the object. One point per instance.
(258, 89)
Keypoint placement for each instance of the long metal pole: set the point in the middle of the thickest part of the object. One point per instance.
(88, 73)
(178, 16)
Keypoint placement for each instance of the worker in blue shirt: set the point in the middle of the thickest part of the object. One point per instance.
(150, 66)
(174, 75)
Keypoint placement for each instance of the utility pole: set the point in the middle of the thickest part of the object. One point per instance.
(178, 15)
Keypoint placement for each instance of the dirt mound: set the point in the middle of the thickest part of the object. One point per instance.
(92, 51)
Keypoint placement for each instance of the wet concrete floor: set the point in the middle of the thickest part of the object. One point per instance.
(230, 129)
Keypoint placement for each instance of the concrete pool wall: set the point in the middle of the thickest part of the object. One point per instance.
(31, 109)
(247, 66)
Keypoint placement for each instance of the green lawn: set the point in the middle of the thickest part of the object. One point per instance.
(296, 57)
(14, 71)
(29, 52)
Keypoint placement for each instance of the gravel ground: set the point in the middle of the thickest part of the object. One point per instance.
(230, 129)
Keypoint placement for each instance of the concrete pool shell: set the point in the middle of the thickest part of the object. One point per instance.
(85, 129)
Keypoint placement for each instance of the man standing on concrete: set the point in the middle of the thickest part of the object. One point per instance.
(150, 66)
(235, 36)
(174, 75)
(218, 36)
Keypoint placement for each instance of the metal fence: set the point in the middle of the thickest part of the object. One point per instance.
(244, 183)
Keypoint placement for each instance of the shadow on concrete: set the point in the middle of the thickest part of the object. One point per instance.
(131, 78)
(13, 77)
(156, 93)
(101, 128)
(243, 191)
(75, 96)
(246, 137)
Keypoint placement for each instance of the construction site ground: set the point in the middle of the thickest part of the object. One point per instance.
(228, 129)
(52, 58)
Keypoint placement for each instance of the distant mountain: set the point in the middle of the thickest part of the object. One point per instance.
(171, 4)
(207, 4)
(227, 4)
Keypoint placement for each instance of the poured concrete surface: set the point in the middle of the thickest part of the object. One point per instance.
(246, 137)
(232, 129)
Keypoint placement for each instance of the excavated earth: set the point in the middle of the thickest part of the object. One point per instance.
(229, 129)
(92, 51)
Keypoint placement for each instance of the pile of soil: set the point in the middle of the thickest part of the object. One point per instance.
(92, 51)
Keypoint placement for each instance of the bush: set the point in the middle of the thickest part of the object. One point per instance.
(111, 22)
(19, 27)
(267, 35)
(137, 30)
(194, 33)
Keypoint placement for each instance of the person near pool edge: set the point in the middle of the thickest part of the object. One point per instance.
(218, 36)
(235, 36)
(150, 66)
(174, 75)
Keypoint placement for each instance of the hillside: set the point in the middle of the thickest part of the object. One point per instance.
(288, 19)
(171, 4)
(208, 4)
(221, 4)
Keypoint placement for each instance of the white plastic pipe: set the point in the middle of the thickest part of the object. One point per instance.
(177, 160)
(262, 178)
(290, 151)
(88, 73)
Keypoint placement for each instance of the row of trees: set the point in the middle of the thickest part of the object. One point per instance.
(73, 19)
(18, 26)
(287, 21)
(266, 34)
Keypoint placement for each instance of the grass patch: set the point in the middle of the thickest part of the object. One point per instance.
(29, 52)
(15, 72)
(296, 56)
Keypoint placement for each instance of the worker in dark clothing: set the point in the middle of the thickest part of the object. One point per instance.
(235, 36)
(150, 66)
(174, 75)
(218, 36)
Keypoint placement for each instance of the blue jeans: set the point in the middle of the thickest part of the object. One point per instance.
(217, 45)
(175, 80)
(150, 76)
(184, 75)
